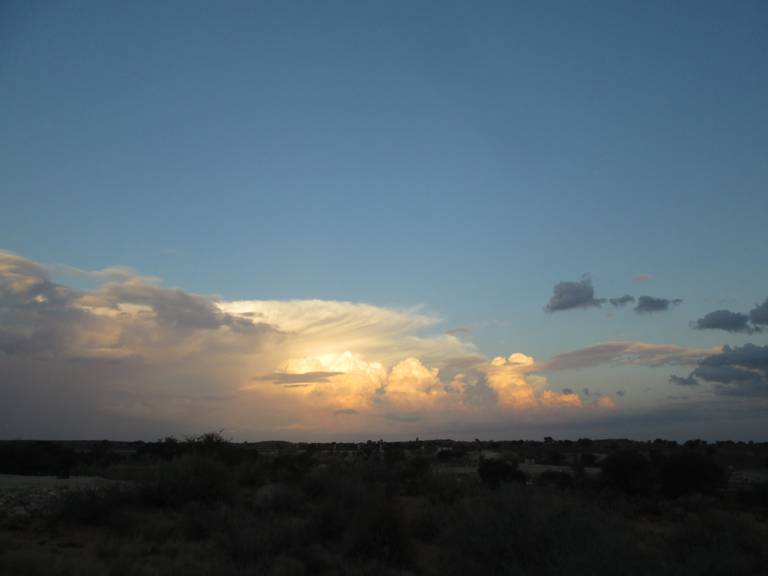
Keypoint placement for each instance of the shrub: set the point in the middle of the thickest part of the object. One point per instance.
(495, 472)
(96, 507)
(629, 471)
(689, 472)
(517, 531)
(562, 480)
(192, 478)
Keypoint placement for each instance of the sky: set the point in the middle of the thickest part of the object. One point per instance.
(352, 220)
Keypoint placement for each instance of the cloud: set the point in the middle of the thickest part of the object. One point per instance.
(683, 381)
(300, 378)
(606, 403)
(570, 295)
(759, 314)
(643, 278)
(724, 320)
(627, 352)
(737, 371)
(649, 304)
(345, 412)
(131, 357)
(622, 300)
(458, 330)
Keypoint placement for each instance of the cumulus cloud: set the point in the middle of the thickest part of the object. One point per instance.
(724, 320)
(628, 352)
(650, 304)
(570, 295)
(133, 357)
(737, 371)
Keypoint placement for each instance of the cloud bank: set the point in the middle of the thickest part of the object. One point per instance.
(737, 371)
(132, 358)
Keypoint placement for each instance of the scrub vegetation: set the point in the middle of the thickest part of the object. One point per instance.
(205, 505)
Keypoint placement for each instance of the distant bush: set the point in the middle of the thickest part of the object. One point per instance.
(377, 530)
(628, 471)
(192, 478)
(96, 507)
(689, 472)
(561, 480)
(36, 458)
(495, 472)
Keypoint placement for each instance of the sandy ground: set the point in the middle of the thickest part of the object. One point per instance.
(23, 496)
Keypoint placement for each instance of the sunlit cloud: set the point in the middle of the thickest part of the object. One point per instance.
(131, 352)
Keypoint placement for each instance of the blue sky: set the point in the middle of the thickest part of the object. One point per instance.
(461, 157)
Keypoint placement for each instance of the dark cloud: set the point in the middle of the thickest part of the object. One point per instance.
(570, 295)
(292, 379)
(172, 307)
(759, 314)
(738, 371)
(620, 393)
(683, 380)
(724, 320)
(649, 304)
(567, 390)
(622, 300)
(40, 318)
(345, 412)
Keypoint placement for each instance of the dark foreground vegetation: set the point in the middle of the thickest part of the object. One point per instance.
(208, 506)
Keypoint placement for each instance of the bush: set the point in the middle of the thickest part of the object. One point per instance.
(690, 472)
(96, 507)
(517, 531)
(495, 472)
(628, 471)
(190, 479)
(562, 480)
